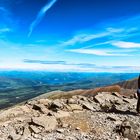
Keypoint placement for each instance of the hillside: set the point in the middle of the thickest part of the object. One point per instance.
(104, 116)
(82, 114)
(129, 84)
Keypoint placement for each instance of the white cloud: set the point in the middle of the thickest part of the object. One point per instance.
(88, 37)
(66, 68)
(123, 44)
(40, 15)
(98, 52)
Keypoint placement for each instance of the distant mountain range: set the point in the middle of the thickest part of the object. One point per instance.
(18, 86)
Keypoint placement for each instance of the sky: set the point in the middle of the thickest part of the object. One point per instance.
(70, 35)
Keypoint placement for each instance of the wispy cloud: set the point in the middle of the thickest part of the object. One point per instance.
(101, 52)
(43, 61)
(84, 38)
(123, 44)
(81, 67)
(40, 15)
(108, 32)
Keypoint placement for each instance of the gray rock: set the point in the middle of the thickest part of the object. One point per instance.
(87, 105)
(72, 101)
(116, 94)
(41, 108)
(113, 117)
(45, 102)
(56, 104)
(49, 123)
(128, 129)
(75, 107)
(26, 133)
(127, 100)
(34, 129)
(83, 98)
(13, 135)
(60, 130)
(102, 98)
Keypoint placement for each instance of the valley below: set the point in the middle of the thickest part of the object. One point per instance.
(19, 86)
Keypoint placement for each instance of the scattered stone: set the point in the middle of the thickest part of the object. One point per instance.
(112, 117)
(70, 138)
(64, 125)
(34, 129)
(60, 130)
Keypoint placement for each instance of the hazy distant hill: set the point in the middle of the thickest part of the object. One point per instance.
(129, 84)
(20, 79)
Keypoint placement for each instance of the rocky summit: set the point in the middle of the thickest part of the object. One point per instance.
(104, 116)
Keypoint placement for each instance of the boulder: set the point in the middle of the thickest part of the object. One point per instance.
(49, 123)
(56, 104)
(75, 107)
(13, 135)
(11, 113)
(26, 133)
(87, 105)
(102, 98)
(72, 101)
(41, 108)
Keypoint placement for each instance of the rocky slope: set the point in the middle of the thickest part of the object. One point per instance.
(104, 116)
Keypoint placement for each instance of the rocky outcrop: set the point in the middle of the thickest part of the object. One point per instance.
(103, 116)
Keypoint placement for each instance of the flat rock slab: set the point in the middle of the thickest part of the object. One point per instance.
(48, 122)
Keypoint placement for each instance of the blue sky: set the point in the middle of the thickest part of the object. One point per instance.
(70, 35)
